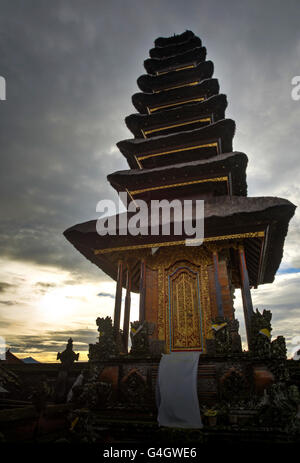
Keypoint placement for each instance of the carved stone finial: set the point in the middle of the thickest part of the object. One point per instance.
(278, 347)
(260, 341)
(139, 335)
(226, 337)
(68, 356)
(106, 346)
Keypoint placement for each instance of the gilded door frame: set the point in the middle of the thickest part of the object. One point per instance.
(199, 308)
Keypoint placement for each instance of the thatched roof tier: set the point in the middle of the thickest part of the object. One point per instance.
(260, 223)
(174, 49)
(186, 117)
(153, 102)
(174, 181)
(191, 57)
(181, 147)
(174, 79)
(176, 39)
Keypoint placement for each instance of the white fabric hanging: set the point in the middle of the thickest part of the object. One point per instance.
(177, 397)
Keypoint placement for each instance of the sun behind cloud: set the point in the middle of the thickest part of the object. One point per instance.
(41, 307)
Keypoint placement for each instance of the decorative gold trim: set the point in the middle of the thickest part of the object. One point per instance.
(179, 103)
(204, 119)
(259, 234)
(204, 180)
(178, 150)
(138, 162)
(190, 84)
(190, 66)
(131, 197)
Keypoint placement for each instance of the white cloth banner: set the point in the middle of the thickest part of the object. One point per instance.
(177, 397)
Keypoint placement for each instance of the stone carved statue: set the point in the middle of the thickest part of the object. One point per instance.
(95, 393)
(68, 356)
(236, 343)
(278, 348)
(260, 340)
(135, 391)
(106, 346)
(235, 386)
(222, 336)
(280, 407)
(139, 335)
(226, 336)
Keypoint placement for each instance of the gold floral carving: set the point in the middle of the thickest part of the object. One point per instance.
(185, 313)
(166, 261)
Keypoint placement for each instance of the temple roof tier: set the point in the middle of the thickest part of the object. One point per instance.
(146, 103)
(176, 39)
(188, 59)
(172, 50)
(186, 117)
(181, 147)
(225, 172)
(259, 223)
(174, 79)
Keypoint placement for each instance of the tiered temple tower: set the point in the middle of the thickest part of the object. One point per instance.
(182, 149)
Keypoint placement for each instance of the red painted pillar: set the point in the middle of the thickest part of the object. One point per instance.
(218, 285)
(127, 311)
(118, 298)
(246, 294)
(142, 291)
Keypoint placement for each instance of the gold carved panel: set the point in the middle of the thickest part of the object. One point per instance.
(185, 317)
(183, 292)
(166, 260)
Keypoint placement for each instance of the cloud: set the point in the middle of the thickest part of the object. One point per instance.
(112, 296)
(52, 341)
(5, 286)
(43, 287)
(8, 302)
(283, 299)
(46, 285)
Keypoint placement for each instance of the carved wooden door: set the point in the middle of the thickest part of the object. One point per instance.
(185, 321)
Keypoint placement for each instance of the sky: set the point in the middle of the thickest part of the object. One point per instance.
(70, 69)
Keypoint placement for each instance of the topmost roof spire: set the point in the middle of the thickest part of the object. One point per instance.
(174, 40)
(176, 46)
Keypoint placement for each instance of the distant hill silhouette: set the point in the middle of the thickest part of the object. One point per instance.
(29, 360)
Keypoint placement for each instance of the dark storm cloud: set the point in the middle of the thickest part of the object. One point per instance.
(5, 286)
(46, 285)
(71, 68)
(5, 323)
(52, 341)
(43, 287)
